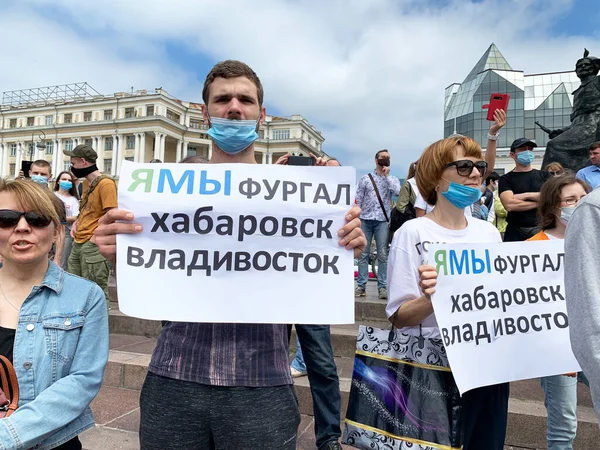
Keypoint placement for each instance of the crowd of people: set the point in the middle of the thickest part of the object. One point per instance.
(57, 247)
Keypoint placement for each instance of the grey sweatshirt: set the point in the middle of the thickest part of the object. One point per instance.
(582, 283)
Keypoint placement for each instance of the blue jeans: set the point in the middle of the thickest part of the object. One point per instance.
(314, 344)
(378, 229)
(561, 404)
(298, 362)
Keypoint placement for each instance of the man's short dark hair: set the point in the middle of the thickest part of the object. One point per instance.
(42, 163)
(232, 69)
(385, 150)
(493, 176)
(595, 145)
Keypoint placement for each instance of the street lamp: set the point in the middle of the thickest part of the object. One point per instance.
(40, 145)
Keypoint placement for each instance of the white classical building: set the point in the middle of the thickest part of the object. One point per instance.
(137, 126)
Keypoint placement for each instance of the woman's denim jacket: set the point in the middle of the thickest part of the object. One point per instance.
(61, 349)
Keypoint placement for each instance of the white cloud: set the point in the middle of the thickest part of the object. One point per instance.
(369, 75)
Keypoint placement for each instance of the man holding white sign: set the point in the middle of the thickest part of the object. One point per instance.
(228, 385)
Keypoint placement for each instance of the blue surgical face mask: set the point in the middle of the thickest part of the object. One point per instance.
(565, 213)
(233, 136)
(40, 180)
(461, 196)
(525, 158)
(65, 185)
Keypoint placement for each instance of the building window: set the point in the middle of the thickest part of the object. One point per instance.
(13, 149)
(89, 142)
(149, 110)
(13, 123)
(108, 114)
(87, 116)
(31, 148)
(108, 144)
(129, 158)
(12, 168)
(194, 123)
(31, 121)
(173, 116)
(130, 142)
(69, 145)
(68, 118)
(49, 147)
(108, 165)
(129, 113)
(49, 120)
(279, 135)
(192, 151)
(67, 166)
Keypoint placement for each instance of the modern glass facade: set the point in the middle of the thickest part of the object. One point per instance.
(546, 98)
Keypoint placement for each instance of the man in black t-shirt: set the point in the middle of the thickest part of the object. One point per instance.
(519, 192)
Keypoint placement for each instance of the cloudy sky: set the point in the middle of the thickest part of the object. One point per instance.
(368, 74)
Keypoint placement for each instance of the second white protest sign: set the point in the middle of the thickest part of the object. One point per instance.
(501, 311)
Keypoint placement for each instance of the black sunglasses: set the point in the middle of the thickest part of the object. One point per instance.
(10, 219)
(464, 167)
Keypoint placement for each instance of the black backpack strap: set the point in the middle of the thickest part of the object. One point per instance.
(387, 219)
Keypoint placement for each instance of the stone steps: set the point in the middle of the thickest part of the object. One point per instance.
(132, 341)
(130, 355)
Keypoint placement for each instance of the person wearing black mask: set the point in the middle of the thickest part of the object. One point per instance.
(99, 197)
(374, 196)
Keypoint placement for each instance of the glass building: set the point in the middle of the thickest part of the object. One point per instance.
(545, 98)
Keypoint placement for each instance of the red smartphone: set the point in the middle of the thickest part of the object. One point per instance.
(497, 101)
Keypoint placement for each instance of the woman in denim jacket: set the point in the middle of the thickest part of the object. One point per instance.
(53, 325)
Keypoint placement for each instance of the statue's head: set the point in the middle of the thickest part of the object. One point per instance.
(587, 66)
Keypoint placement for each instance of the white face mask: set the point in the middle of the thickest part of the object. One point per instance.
(565, 214)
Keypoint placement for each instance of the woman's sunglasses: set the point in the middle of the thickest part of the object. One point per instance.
(10, 219)
(464, 167)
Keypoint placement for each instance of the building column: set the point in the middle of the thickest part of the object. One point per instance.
(156, 145)
(270, 158)
(100, 151)
(59, 156)
(264, 157)
(142, 147)
(121, 155)
(19, 158)
(53, 166)
(38, 153)
(210, 151)
(3, 151)
(75, 142)
(163, 139)
(178, 151)
(2, 160)
(115, 151)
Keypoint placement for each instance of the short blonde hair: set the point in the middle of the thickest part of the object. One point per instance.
(31, 197)
(434, 159)
(555, 167)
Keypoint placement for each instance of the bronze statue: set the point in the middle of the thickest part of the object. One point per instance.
(570, 146)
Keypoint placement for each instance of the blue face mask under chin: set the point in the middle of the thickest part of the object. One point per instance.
(460, 195)
(232, 136)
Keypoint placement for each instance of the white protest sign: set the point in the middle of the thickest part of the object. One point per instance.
(501, 311)
(236, 243)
